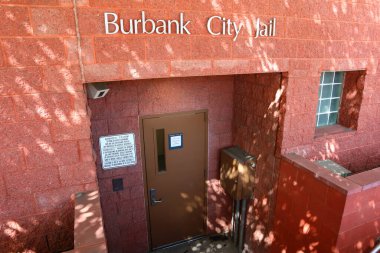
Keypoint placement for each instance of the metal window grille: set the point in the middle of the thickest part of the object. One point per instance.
(330, 92)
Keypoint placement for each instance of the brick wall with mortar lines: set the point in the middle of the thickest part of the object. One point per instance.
(308, 212)
(43, 105)
(357, 150)
(360, 224)
(255, 129)
(315, 214)
(119, 112)
(45, 152)
(311, 38)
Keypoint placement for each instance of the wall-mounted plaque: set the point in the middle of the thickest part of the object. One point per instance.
(175, 141)
(118, 150)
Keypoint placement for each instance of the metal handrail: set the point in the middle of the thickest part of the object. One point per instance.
(377, 247)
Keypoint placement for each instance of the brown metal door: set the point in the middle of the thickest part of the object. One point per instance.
(175, 162)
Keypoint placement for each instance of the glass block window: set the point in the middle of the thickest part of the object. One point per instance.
(330, 92)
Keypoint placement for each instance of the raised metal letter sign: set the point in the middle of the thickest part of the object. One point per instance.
(118, 150)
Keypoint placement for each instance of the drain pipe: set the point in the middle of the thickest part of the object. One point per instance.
(232, 220)
(236, 223)
(242, 223)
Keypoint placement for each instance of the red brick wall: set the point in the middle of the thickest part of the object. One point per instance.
(44, 123)
(119, 112)
(356, 150)
(45, 151)
(352, 97)
(308, 212)
(360, 225)
(311, 38)
(257, 104)
(318, 212)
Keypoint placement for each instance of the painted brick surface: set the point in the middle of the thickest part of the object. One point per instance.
(307, 211)
(53, 21)
(125, 212)
(33, 52)
(257, 105)
(352, 99)
(21, 80)
(43, 104)
(360, 221)
(313, 38)
(44, 155)
(313, 208)
(16, 21)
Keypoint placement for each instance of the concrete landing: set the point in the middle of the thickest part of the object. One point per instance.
(203, 245)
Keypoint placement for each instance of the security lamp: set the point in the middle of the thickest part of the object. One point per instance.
(97, 90)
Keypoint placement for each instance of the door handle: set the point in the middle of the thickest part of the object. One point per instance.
(153, 197)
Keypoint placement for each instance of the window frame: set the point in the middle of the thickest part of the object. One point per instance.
(329, 112)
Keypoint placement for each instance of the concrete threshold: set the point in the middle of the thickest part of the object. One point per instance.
(209, 244)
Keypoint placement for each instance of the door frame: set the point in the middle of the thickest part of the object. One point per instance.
(146, 190)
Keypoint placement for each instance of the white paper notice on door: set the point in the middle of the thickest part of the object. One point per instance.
(175, 141)
(118, 151)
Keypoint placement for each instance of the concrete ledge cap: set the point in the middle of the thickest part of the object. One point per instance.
(339, 183)
(88, 226)
(99, 248)
(326, 131)
(367, 179)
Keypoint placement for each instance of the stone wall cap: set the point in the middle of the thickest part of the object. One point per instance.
(88, 225)
(367, 179)
(343, 185)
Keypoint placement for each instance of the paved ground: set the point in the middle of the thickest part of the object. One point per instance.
(213, 244)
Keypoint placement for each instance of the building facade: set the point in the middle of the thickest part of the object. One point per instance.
(265, 74)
